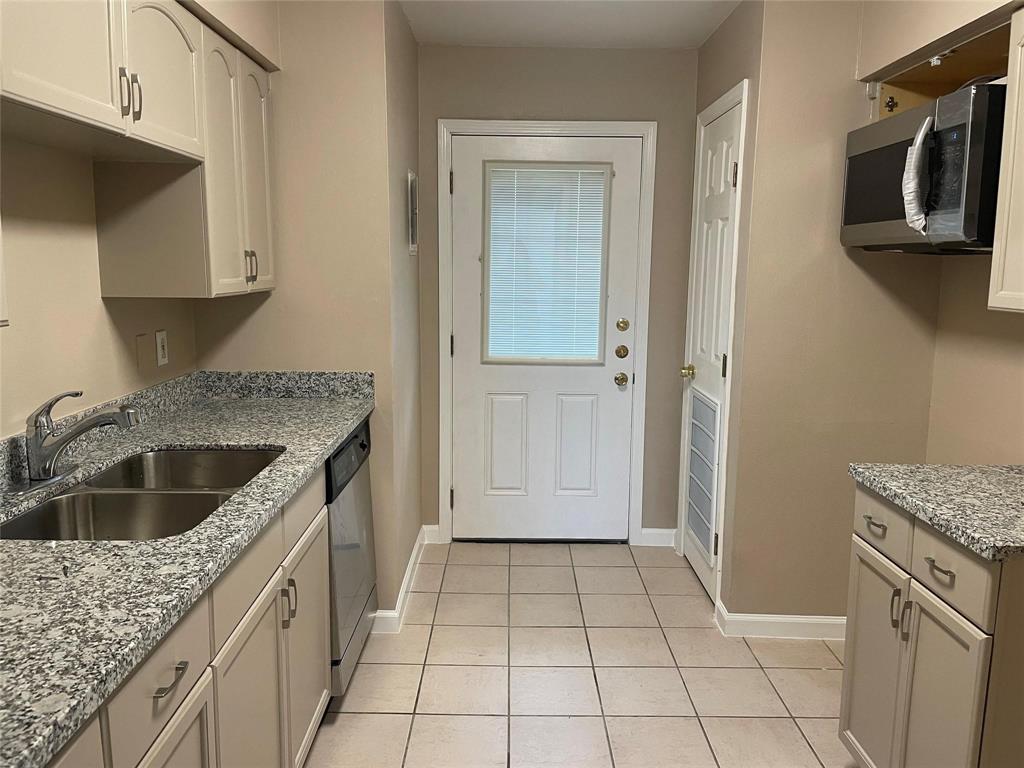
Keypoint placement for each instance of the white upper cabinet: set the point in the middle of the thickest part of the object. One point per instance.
(66, 57)
(229, 267)
(1006, 289)
(254, 99)
(166, 72)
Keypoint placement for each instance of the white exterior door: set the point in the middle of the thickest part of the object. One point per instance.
(708, 325)
(545, 235)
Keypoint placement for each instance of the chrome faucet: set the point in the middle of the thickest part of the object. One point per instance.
(44, 448)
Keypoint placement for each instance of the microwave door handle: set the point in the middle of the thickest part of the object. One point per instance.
(913, 206)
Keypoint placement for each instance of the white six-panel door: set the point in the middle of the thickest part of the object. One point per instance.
(545, 237)
(708, 327)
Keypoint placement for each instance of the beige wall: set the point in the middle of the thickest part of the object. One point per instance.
(977, 403)
(402, 79)
(837, 346)
(62, 334)
(565, 84)
(333, 305)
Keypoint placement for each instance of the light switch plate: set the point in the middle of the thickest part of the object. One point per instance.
(162, 355)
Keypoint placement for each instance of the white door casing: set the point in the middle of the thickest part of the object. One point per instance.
(541, 448)
(709, 332)
(540, 426)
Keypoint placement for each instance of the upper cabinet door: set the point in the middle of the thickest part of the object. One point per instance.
(166, 67)
(943, 682)
(64, 57)
(254, 100)
(222, 169)
(873, 651)
(1006, 289)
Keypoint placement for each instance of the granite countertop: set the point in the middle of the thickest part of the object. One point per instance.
(78, 616)
(980, 507)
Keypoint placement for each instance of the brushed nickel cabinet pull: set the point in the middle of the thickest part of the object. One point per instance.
(894, 601)
(872, 523)
(904, 620)
(136, 87)
(179, 672)
(286, 622)
(947, 572)
(126, 91)
(293, 609)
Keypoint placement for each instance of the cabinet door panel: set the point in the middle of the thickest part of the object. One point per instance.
(873, 650)
(249, 682)
(187, 741)
(164, 53)
(1006, 290)
(255, 131)
(222, 170)
(308, 636)
(943, 683)
(64, 57)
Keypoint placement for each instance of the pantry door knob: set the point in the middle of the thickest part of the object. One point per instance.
(621, 379)
(688, 371)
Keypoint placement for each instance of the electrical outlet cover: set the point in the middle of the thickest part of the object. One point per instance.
(162, 355)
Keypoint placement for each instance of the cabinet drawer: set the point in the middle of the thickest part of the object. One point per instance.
(884, 526)
(300, 511)
(965, 581)
(136, 714)
(240, 585)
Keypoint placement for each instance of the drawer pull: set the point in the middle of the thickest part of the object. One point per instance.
(947, 572)
(904, 619)
(872, 523)
(293, 609)
(894, 601)
(286, 595)
(179, 672)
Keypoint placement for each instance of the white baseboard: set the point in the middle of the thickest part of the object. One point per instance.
(656, 537)
(779, 625)
(432, 534)
(390, 620)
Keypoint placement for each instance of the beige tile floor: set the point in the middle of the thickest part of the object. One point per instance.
(578, 656)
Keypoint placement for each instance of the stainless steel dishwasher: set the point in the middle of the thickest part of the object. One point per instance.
(353, 566)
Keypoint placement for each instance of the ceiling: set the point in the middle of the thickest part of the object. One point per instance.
(567, 23)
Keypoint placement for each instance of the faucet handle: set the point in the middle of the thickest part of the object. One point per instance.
(40, 417)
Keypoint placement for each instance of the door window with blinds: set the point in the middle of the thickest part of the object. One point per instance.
(545, 262)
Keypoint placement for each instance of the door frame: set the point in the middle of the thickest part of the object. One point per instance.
(447, 129)
(735, 96)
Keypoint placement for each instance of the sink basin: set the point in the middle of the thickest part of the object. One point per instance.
(185, 469)
(114, 515)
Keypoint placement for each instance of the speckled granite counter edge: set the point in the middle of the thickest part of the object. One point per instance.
(981, 532)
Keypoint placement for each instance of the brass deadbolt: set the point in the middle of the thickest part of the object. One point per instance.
(622, 324)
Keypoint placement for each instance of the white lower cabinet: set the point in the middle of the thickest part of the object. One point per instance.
(308, 636)
(249, 680)
(187, 741)
(943, 681)
(873, 651)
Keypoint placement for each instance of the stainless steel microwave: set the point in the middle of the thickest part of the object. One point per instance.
(926, 180)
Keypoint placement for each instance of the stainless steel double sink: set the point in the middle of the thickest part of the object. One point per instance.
(150, 495)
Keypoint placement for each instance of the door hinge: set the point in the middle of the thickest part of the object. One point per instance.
(451, 498)
(725, 364)
(451, 182)
(715, 553)
(735, 174)
(451, 345)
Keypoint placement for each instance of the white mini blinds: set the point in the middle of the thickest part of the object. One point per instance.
(545, 246)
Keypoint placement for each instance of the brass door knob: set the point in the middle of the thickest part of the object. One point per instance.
(621, 351)
(621, 379)
(622, 324)
(688, 371)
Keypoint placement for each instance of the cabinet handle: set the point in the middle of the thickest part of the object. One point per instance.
(293, 587)
(286, 622)
(256, 261)
(904, 620)
(136, 86)
(893, 602)
(872, 523)
(126, 91)
(248, 265)
(179, 672)
(947, 572)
